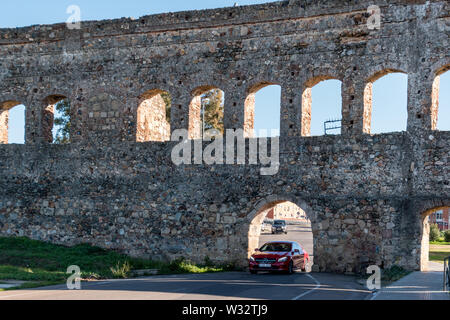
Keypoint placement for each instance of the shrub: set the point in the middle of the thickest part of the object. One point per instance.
(447, 236)
(394, 273)
(121, 270)
(435, 233)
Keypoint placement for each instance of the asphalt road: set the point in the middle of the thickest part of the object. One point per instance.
(298, 233)
(221, 286)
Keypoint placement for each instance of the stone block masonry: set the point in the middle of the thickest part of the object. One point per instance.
(116, 187)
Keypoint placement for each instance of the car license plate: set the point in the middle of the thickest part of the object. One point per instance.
(263, 265)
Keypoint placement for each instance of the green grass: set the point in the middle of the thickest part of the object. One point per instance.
(443, 243)
(388, 276)
(438, 252)
(393, 274)
(40, 263)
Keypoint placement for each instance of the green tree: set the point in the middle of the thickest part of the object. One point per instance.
(62, 122)
(435, 233)
(214, 110)
(168, 100)
(447, 236)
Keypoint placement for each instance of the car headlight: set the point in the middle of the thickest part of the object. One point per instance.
(283, 259)
(252, 259)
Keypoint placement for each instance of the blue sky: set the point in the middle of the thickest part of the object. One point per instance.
(389, 109)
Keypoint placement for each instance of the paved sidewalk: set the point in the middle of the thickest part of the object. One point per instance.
(417, 286)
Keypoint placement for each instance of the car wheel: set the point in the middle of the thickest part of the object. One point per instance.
(253, 272)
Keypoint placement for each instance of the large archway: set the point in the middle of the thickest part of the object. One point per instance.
(206, 112)
(262, 110)
(153, 116)
(56, 119)
(299, 220)
(386, 93)
(429, 217)
(12, 122)
(441, 100)
(326, 115)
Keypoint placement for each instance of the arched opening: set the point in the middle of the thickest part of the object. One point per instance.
(12, 123)
(263, 227)
(322, 107)
(206, 112)
(262, 111)
(434, 247)
(386, 102)
(153, 116)
(440, 113)
(56, 119)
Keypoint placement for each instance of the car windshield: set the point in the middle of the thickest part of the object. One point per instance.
(279, 222)
(276, 247)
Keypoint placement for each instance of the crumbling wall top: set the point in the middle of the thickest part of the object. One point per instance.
(194, 19)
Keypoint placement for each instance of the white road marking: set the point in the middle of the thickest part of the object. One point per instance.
(309, 291)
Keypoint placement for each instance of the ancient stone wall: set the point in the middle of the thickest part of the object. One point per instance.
(364, 194)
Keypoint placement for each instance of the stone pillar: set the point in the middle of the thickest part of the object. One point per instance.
(234, 112)
(422, 108)
(305, 112)
(249, 117)
(425, 245)
(105, 118)
(181, 101)
(254, 232)
(33, 116)
(195, 118)
(356, 105)
(291, 120)
(435, 102)
(79, 115)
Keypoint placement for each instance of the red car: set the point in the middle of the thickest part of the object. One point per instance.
(285, 256)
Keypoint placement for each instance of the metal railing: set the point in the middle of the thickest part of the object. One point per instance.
(447, 275)
(331, 125)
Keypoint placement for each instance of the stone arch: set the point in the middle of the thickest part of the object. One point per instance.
(5, 107)
(377, 73)
(153, 116)
(48, 115)
(306, 113)
(425, 209)
(435, 95)
(249, 105)
(257, 215)
(195, 109)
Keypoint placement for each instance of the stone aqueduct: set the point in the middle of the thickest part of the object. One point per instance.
(367, 195)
